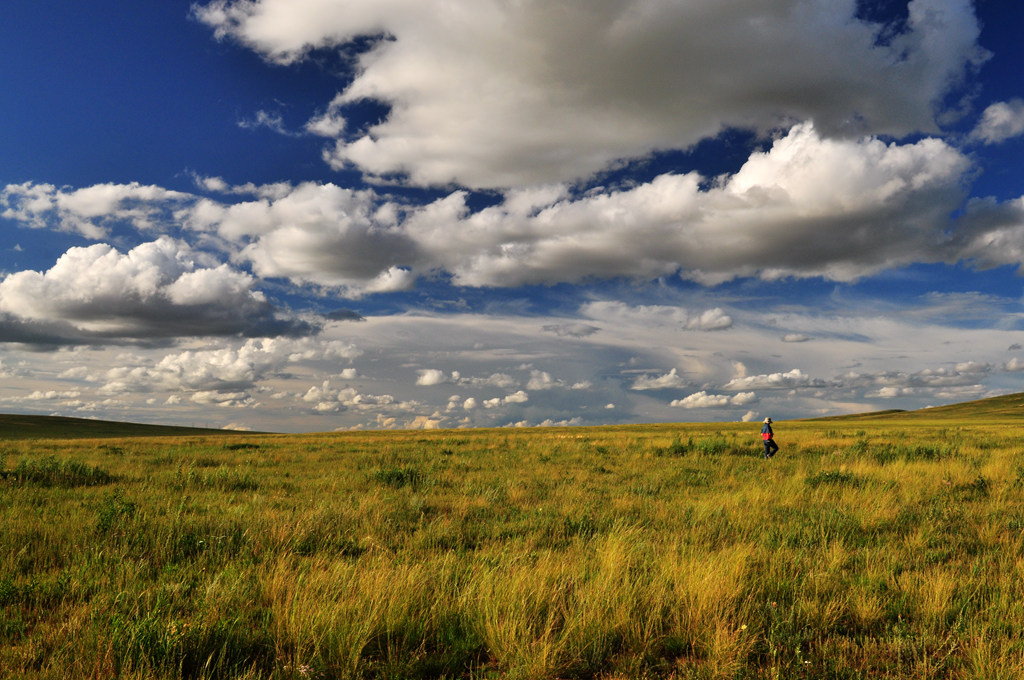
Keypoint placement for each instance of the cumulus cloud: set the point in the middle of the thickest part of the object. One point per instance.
(1000, 121)
(711, 320)
(542, 380)
(327, 399)
(316, 233)
(511, 94)
(223, 369)
(669, 380)
(788, 380)
(704, 400)
(156, 290)
(519, 397)
(89, 211)
(809, 206)
(1014, 365)
(432, 376)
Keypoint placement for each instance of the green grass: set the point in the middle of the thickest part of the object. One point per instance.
(875, 547)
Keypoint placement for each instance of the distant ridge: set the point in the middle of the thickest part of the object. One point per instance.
(1004, 406)
(59, 427)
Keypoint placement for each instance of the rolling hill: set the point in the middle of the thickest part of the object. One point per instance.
(991, 408)
(59, 427)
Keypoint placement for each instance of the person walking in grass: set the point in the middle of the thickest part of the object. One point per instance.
(770, 447)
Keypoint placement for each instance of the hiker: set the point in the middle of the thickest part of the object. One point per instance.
(770, 447)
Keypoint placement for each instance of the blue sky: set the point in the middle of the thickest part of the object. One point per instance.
(307, 215)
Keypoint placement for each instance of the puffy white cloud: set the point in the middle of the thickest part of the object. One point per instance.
(157, 289)
(225, 368)
(669, 380)
(1000, 121)
(316, 233)
(711, 320)
(1014, 365)
(89, 211)
(504, 94)
(424, 423)
(326, 399)
(519, 397)
(788, 380)
(432, 376)
(809, 206)
(542, 380)
(704, 400)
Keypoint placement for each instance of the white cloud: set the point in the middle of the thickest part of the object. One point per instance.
(542, 380)
(704, 400)
(289, 384)
(711, 320)
(316, 233)
(810, 206)
(432, 376)
(327, 399)
(224, 368)
(157, 289)
(89, 211)
(519, 397)
(669, 380)
(788, 380)
(424, 423)
(1000, 121)
(513, 94)
(1014, 365)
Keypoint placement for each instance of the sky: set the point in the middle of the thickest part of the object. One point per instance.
(317, 215)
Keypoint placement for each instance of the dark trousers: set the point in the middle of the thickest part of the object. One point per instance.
(770, 447)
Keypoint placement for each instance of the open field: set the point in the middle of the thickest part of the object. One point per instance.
(886, 546)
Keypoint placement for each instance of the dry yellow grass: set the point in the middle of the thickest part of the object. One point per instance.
(875, 548)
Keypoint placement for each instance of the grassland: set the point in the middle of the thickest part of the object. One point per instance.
(884, 547)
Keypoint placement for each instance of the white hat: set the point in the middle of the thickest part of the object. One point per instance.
(767, 420)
